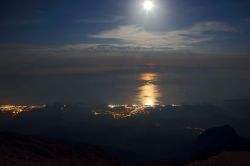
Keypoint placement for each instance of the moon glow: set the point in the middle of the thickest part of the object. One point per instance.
(148, 5)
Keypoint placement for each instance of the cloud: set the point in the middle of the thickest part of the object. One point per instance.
(177, 39)
(110, 47)
(130, 38)
(212, 27)
(99, 21)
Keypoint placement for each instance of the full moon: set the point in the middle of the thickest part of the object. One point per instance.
(148, 5)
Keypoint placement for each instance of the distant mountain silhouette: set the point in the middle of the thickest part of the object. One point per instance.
(219, 139)
(18, 149)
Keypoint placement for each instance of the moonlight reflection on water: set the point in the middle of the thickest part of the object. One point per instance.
(147, 99)
(149, 92)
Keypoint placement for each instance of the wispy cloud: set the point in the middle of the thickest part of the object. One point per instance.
(131, 38)
(99, 21)
(212, 26)
(110, 47)
(177, 39)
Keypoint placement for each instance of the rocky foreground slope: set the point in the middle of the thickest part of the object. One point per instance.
(18, 149)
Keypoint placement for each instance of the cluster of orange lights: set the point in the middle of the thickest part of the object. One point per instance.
(16, 110)
(124, 111)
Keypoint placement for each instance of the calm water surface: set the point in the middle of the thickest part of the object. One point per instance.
(136, 86)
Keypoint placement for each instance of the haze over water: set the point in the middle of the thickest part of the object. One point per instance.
(143, 86)
(177, 86)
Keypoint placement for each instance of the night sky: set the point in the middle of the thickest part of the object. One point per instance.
(173, 24)
(41, 38)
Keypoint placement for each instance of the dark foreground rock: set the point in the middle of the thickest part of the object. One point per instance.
(225, 159)
(217, 140)
(23, 150)
(18, 149)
